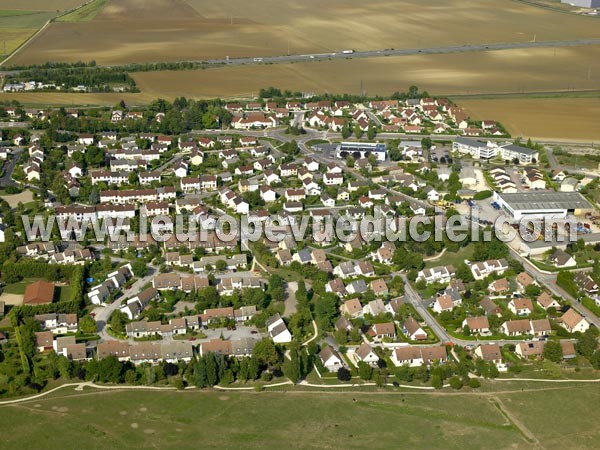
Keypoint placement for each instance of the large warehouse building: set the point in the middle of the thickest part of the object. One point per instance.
(362, 150)
(549, 204)
(583, 3)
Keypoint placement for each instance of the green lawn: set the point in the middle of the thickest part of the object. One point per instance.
(453, 258)
(19, 288)
(64, 293)
(301, 419)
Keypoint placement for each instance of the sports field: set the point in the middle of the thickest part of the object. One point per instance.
(569, 119)
(169, 30)
(549, 419)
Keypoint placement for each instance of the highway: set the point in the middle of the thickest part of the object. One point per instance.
(403, 52)
(351, 54)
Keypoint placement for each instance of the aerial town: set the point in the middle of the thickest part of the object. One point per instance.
(320, 225)
(305, 310)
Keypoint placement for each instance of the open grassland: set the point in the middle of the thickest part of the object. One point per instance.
(557, 119)
(169, 30)
(128, 419)
(85, 13)
(41, 5)
(17, 26)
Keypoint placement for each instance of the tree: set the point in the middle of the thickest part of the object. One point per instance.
(595, 360)
(325, 310)
(456, 383)
(87, 325)
(346, 132)
(132, 178)
(533, 291)
(140, 268)
(350, 161)
(553, 351)
(221, 265)
(474, 383)
(344, 374)
(293, 367)
(266, 353)
(117, 321)
(170, 369)
(587, 342)
(357, 131)
(436, 381)
(371, 133)
(365, 371)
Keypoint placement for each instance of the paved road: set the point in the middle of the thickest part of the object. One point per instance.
(103, 313)
(6, 179)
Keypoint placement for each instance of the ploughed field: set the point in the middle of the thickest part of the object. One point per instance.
(126, 31)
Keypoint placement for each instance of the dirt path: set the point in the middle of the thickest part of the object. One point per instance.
(527, 434)
(290, 298)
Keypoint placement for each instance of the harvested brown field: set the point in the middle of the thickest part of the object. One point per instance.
(568, 119)
(170, 30)
(531, 70)
(496, 72)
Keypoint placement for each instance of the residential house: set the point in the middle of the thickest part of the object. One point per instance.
(573, 322)
(489, 353)
(413, 330)
(330, 359)
(477, 324)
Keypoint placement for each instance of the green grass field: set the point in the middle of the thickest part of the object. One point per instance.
(84, 14)
(129, 419)
(61, 294)
(17, 26)
(451, 258)
(15, 12)
(19, 288)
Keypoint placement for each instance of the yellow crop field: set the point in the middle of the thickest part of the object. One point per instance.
(568, 119)
(169, 30)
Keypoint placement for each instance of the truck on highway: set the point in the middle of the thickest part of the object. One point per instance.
(347, 52)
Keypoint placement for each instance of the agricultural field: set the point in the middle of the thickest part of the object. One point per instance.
(561, 118)
(85, 13)
(528, 70)
(20, 19)
(130, 419)
(16, 26)
(41, 5)
(127, 31)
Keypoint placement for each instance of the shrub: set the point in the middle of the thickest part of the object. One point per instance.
(474, 383)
